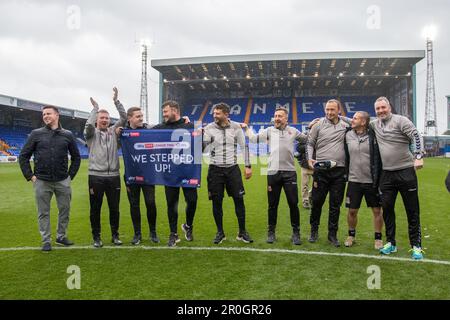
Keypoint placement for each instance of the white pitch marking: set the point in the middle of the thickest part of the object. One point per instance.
(285, 251)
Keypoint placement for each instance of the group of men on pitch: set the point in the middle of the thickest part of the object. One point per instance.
(373, 156)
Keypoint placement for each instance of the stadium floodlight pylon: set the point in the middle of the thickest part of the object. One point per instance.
(144, 93)
(430, 127)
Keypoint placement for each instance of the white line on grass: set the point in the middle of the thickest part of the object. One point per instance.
(286, 251)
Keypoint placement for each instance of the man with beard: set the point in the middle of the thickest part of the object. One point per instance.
(222, 138)
(173, 120)
(281, 172)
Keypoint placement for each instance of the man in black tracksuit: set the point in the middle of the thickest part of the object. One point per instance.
(173, 120)
(395, 134)
(326, 142)
(281, 172)
(136, 122)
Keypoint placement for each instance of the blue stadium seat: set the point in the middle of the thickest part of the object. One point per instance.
(301, 110)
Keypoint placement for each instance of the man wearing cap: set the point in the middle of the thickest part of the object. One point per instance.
(326, 142)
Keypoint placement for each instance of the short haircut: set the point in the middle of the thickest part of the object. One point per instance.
(222, 106)
(383, 99)
(282, 109)
(366, 116)
(171, 103)
(132, 110)
(102, 111)
(335, 101)
(51, 107)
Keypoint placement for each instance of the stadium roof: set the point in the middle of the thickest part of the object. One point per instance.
(22, 104)
(356, 69)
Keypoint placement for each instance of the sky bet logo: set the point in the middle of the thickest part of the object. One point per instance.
(131, 134)
(161, 145)
(190, 181)
(137, 179)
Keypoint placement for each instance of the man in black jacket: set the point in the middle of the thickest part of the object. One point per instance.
(173, 120)
(50, 145)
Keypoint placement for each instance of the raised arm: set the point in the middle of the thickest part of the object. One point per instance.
(89, 127)
(122, 113)
(254, 137)
(300, 136)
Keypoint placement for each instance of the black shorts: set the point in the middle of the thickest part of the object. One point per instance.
(355, 192)
(220, 179)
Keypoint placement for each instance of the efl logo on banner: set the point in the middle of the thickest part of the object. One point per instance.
(162, 157)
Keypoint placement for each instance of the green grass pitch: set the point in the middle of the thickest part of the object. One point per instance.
(156, 272)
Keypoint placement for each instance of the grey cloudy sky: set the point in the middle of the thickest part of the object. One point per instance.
(45, 57)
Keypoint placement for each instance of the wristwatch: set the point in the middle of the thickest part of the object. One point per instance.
(418, 156)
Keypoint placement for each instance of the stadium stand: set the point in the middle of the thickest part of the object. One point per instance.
(258, 112)
(18, 117)
(14, 139)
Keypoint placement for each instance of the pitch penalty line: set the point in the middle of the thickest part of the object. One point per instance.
(237, 249)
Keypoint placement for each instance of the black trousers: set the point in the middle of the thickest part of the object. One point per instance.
(134, 197)
(405, 182)
(286, 180)
(239, 209)
(98, 186)
(325, 182)
(229, 179)
(172, 197)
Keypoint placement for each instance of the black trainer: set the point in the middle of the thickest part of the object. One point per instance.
(116, 241)
(136, 239)
(46, 247)
(154, 237)
(98, 243)
(333, 240)
(244, 237)
(271, 236)
(187, 231)
(64, 242)
(296, 238)
(314, 236)
(220, 236)
(173, 240)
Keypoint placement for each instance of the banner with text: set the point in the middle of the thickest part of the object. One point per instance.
(162, 157)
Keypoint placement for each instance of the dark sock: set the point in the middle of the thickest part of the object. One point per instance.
(378, 236)
(352, 233)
